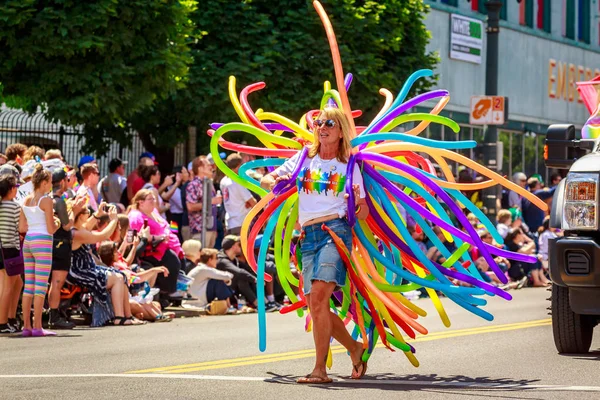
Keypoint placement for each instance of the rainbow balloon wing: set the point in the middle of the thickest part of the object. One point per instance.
(385, 261)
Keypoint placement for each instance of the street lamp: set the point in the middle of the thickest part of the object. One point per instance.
(490, 139)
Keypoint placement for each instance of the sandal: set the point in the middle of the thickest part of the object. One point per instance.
(163, 318)
(122, 321)
(355, 369)
(135, 321)
(315, 380)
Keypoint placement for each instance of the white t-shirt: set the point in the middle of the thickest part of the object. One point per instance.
(321, 186)
(235, 197)
(543, 243)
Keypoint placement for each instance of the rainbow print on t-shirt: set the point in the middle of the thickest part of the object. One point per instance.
(316, 180)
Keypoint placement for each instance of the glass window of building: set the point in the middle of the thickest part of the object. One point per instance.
(526, 13)
(453, 3)
(544, 16)
(569, 19)
(583, 21)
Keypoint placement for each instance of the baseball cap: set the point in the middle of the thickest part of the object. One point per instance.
(85, 160)
(115, 163)
(58, 175)
(148, 155)
(8, 169)
(229, 241)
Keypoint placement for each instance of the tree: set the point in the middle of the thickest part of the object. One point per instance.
(93, 62)
(283, 44)
(115, 65)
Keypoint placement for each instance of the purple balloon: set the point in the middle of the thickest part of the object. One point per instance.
(283, 186)
(402, 108)
(450, 228)
(452, 274)
(474, 237)
(350, 191)
(348, 81)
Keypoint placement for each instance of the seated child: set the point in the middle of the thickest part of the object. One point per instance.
(209, 282)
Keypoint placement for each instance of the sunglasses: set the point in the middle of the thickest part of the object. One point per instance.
(328, 123)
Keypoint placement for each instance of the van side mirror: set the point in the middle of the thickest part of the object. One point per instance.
(562, 149)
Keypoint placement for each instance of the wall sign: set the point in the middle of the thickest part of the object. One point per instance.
(466, 41)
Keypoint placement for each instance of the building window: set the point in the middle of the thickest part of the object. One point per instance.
(453, 3)
(583, 21)
(526, 13)
(569, 21)
(544, 17)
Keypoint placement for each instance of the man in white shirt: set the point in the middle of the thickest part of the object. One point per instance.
(91, 176)
(237, 199)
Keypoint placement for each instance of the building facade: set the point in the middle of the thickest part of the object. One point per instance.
(545, 46)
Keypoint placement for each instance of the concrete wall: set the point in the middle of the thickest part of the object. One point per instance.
(526, 74)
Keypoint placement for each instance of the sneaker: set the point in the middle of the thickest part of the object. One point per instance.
(60, 323)
(16, 324)
(271, 307)
(521, 282)
(232, 310)
(6, 329)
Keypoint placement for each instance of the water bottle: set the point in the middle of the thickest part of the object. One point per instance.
(241, 302)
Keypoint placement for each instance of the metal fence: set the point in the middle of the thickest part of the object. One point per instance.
(17, 126)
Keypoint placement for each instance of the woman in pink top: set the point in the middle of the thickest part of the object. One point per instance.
(163, 248)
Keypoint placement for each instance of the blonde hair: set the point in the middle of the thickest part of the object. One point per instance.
(191, 246)
(140, 196)
(503, 216)
(53, 154)
(344, 148)
(32, 152)
(40, 175)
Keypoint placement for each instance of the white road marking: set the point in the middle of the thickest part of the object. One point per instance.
(337, 381)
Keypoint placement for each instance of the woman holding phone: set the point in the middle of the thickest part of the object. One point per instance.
(101, 281)
(164, 248)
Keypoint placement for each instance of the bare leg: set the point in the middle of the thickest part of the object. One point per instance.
(38, 310)
(319, 310)
(16, 296)
(8, 284)
(115, 285)
(57, 283)
(27, 300)
(126, 306)
(339, 333)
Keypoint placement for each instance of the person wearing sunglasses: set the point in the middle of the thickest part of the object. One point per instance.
(323, 201)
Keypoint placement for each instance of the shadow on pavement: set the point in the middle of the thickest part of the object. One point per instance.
(417, 382)
(592, 355)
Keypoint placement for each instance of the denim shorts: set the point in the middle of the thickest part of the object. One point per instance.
(321, 260)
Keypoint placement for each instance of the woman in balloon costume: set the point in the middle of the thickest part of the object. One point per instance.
(346, 185)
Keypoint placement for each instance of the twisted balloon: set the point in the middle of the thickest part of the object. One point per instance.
(385, 260)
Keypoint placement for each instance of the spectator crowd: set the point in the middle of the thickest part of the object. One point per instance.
(119, 249)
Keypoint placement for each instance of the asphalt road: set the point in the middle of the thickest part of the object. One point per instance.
(218, 358)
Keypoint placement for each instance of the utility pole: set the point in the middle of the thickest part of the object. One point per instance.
(490, 140)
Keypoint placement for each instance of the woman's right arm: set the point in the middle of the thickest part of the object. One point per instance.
(90, 237)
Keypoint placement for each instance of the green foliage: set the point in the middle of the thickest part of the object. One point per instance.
(93, 62)
(115, 65)
(283, 43)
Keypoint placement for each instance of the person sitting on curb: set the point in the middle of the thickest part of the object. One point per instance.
(209, 283)
(244, 282)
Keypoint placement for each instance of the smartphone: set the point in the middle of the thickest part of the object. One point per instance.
(130, 235)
